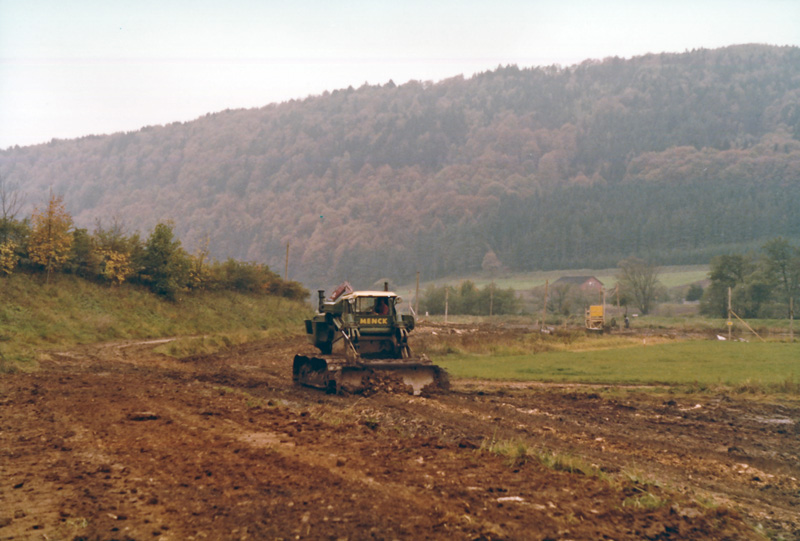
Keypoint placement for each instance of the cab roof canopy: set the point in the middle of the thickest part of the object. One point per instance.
(357, 294)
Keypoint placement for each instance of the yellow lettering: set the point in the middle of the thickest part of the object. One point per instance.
(374, 321)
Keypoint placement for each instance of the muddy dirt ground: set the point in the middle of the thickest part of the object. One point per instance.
(114, 442)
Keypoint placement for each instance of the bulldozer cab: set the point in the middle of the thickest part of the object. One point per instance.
(365, 304)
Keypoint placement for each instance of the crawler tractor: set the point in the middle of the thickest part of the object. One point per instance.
(362, 339)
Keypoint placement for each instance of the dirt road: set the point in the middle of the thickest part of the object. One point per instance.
(114, 442)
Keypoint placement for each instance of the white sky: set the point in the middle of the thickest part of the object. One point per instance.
(70, 68)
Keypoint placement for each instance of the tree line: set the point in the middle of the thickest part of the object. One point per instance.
(467, 299)
(49, 243)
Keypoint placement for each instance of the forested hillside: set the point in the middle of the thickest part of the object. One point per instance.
(670, 157)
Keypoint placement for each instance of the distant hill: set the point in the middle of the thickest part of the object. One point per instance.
(671, 157)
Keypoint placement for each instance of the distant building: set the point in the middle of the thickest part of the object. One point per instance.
(584, 283)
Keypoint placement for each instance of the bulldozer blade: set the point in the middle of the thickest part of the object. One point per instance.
(421, 378)
(336, 375)
(411, 378)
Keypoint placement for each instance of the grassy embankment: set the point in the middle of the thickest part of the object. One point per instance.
(35, 317)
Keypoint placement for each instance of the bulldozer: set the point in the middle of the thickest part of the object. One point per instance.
(362, 338)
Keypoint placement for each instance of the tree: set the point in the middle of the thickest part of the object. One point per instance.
(433, 299)
(467, 299)
(13, 233)
(694, 293)
(200, 274)
(491, 264)
(115, 251)
(748, 281)
(116, 266)
(495, 301)
(640, 278)
(83, 259)
(240, 276)
(8, 257)
(751, 299)
(51, 241)
(726, 271)
(783, 267)
(9, 206)
(559, 300)
(10, 201)
(165, 265)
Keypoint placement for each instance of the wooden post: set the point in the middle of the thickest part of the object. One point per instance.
(544, 308)
(791, 319)
(730, 322)
(286, 270)
(416, 298)
(604, 306)
(446, 301)
(491, 300)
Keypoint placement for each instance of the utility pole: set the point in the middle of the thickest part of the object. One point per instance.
(544, 308)
(791, 319)
(491, 300)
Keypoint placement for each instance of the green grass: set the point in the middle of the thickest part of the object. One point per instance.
(683, 276)
(35, 316)
(517, 453)
(670, 276)
(751, 365)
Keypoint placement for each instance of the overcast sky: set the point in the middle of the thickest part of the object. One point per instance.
(70, 68)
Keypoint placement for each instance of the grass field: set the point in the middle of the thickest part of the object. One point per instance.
(770, 365)
(672, 276)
